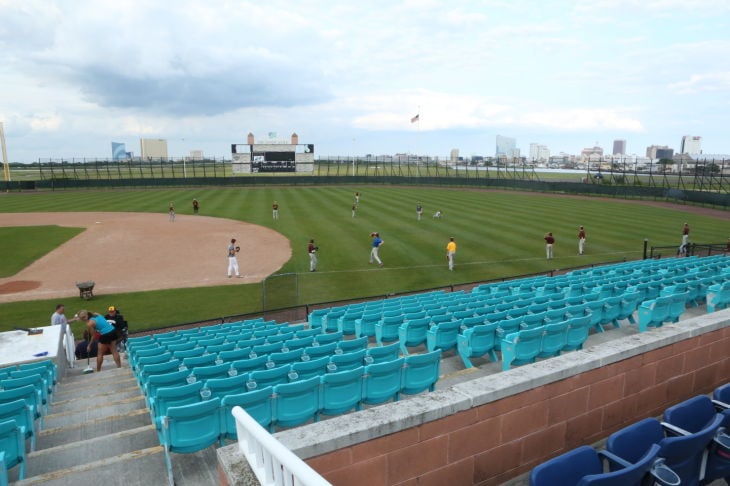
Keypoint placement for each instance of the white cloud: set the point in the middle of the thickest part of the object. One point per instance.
(45, 122)
(698, 83)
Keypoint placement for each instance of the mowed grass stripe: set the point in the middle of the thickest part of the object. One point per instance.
(499, 234)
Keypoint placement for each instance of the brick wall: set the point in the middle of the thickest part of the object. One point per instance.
(491, 443)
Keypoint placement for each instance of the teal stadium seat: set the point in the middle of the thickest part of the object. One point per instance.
(191, 428)
(718, 296)
(22, 414)
(357, 344)
(297, 403)
(221, 387)
(477, 341)
(380, 354)
(341, 391)
(654, 312)
(578, 331)
(413, 333)
(270, 377)
(257, 403)
(521, 347)
(12, 447)
(315, 352)
(383, 381)
(348, 361)
(443, 336)
(310, 368)
(421, 372)
(554, 339)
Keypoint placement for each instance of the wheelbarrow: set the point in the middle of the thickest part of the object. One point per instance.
(86, 289)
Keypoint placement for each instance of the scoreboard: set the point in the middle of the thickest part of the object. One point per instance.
(272, 157)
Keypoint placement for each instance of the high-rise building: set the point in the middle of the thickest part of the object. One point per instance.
(454, 155)
(619, 147)
(654, 151)
(591, 152)
(539, 153)
(506, 147)
(153, 148)
(119, 151)
(691, 145)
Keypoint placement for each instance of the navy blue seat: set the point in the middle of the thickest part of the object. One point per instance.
(584, 467)
(683, 454)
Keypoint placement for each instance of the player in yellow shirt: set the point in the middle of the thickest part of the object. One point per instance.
(450, 252)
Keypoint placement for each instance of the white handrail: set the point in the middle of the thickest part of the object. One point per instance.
(273, 464)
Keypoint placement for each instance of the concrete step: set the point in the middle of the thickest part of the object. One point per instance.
(82, 415)
(110, 445)
(80, 399)
(108, 371)
(143, 466)
(67, 390)
(55, 436)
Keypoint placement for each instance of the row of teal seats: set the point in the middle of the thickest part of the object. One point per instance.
(25, 396)
(292, 403)
(353, 355)
(546, 341)
(187, 422)
(690, 446)
(213, 330)
(202, 334)
(190, 348)
(308, 347)
(649, 267)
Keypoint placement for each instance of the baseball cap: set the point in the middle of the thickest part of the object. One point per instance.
(111, 308)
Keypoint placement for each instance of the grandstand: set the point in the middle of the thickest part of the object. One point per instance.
(477, 387)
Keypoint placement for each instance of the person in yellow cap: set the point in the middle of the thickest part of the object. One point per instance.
(120, 323)
(450, 252)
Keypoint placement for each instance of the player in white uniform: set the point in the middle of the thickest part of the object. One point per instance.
(232, 261)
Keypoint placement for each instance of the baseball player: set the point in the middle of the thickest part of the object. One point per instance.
(450, 252)
(549, 242)
(581, 240)
(275, 210)
(377, 243)
(232, 261)
(312, 250)
(419, 211)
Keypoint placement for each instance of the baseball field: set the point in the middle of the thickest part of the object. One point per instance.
(498, 233)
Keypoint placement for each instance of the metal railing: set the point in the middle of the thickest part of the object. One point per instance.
(271, 462)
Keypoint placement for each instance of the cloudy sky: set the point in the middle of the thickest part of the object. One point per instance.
(349, 75)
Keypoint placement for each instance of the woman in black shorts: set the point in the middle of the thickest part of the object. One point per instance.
(107, 336)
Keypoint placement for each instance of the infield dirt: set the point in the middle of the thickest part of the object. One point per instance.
(127, 252)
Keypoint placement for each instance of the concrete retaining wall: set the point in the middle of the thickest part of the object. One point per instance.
(494, 428)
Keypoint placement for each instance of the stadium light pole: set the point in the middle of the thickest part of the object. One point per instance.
(6, 165)
(353, 156)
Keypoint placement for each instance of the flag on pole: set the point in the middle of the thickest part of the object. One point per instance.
(415, 118)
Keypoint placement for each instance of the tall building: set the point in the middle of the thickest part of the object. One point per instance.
(539, 153)
(153, 148)
(691, 145)
(506, 147)
(619, 147)
(454, 156)
(119, 151)
(654, 151)
(591, 151)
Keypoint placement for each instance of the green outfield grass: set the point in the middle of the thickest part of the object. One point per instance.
(22, 245)
(498, 234)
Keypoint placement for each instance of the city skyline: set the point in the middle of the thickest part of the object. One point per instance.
(350, 78)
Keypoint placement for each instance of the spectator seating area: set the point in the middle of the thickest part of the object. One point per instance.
(26, 393)
(537, 317)
(282, 375)
(690, 446)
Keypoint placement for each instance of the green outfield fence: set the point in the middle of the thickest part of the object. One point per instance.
(707, 183)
